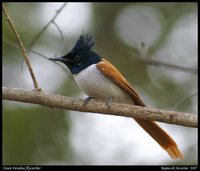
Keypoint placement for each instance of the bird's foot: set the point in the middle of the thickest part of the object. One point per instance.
(86, 100)
(109, 102)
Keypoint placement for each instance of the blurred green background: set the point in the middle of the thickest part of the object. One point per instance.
(124, 33)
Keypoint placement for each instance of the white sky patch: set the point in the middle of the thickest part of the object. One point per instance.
(137, 24)
(74, 18)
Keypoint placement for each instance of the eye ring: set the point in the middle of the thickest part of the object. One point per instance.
(76, 58)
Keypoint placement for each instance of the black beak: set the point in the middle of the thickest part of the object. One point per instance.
(61, 59)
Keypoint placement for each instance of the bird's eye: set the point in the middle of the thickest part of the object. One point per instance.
(76, 58)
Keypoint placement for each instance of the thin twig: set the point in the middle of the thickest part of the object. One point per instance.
(63, 102)
(46, 26)
(169, 65)
(24, 53)
(43, 56)
(183, 100)
(64, 68)
(61, 34)
(38, 53)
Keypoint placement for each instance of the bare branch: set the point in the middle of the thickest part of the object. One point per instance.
(46, 26)
(24, 53)
(61, 34)
(184, 100)
(57, 101)
(169, 65)
(142, 54)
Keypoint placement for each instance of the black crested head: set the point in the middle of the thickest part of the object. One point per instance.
(85, 43)
(81, 56)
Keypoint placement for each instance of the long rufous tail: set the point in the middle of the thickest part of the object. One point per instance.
(157, 133)
(161, 137)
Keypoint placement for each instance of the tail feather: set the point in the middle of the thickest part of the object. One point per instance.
(162, 138)
(174, 153)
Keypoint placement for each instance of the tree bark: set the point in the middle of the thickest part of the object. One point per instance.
(94, 106)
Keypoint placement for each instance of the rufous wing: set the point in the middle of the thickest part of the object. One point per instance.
(153, 129)
(113, 74)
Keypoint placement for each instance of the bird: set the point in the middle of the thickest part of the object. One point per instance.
(100, 80)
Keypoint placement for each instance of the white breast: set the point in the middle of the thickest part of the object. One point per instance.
(96, 85)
